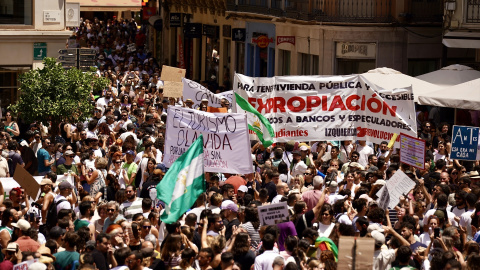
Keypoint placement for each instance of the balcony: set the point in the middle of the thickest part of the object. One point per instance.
(418, 11)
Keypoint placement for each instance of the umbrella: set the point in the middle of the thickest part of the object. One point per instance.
(451, 75)
(388, 78)
(461, 96)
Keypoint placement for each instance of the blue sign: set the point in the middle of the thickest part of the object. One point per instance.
(464, 143)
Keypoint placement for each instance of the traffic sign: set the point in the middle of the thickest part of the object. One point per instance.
(67, 58)
(87, 51)
(39, 50)
(68, 51)
(87, 57)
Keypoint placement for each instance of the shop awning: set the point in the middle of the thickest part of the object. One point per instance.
(467, 40)
(108, 5)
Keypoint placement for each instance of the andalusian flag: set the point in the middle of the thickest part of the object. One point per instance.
(257, 122)
(183, 183)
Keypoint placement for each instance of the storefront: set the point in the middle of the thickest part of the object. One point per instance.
(260, 49)
(354, 58)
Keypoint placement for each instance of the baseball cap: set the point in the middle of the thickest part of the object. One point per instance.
(226, 203)
(303, 148)
(243, 188)
(162, 167)
(69, 152)
(378, 237)
(130, 152)
(439, 213)
(22, 224)
(372, 169)
(46, 181)
(297, 152)
(233, 207)
(56, 232)
(65, 185)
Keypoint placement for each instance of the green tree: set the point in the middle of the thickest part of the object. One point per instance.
(53, 95)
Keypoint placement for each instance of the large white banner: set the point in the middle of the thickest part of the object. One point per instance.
(225, 138)
(196, 92)
(317, 108)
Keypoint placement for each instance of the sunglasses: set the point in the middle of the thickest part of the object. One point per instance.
(147, 227)
(110, 210)
(117, 162)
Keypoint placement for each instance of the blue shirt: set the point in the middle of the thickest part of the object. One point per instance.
(43, 155)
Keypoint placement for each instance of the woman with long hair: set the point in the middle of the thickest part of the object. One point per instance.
(97, 178)
(11, 127)
(441, 153)
(171, 251)
(188, 258)
(102, 213)
(252, 226)
(242, 252)
(299, 209)
(326, 224)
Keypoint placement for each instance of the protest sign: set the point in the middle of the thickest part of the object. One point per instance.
(217, 110)
(172, 74)
(273, 213)
(464, 142)
(355, 252)
(196, 92)
(398, 185)
(317, 108)
(172, 89)
(412, 151)
(26, 181)
(24, 265)
(225, 136)
(131, 48)
(9, 183)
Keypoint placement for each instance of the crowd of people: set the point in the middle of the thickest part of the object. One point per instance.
(98, 207)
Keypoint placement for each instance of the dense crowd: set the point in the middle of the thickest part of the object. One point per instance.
(98, 207)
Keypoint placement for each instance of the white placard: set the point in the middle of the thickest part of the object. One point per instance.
(398, 185)
(51, 16)
(72, 14)
(225, 139)
(273, 213)
(196, 92)
(332, 108)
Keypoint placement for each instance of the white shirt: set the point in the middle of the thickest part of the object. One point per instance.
(299, 168)
(277, 199)
(451, 216)
(63, 205)
(466, 221)
(364, 152)
(265, 260)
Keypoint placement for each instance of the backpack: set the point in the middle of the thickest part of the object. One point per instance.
(52, 218)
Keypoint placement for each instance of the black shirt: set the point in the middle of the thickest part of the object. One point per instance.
(99, 259)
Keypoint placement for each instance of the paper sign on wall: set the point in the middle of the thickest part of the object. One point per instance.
(412, 151)
(273, 213)
(172, 74)
(225, 136)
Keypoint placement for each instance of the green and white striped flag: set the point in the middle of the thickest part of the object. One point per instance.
(257, 122)
(183, 183)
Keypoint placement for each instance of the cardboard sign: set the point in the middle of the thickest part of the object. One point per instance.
(224, 138)
(412, 151)
(355, 253)
(172, 89)
(26, 181)
(196, 92)
(172, 74)
(328, 108)
(398, 185)
(464, 142)
(273, 213)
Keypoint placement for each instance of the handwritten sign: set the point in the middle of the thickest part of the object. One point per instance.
(172, 89)
(398, 185)
(196, 92)
(224, 136)
(273, 213)
(412, 151)
(464, 142)
(172, 74)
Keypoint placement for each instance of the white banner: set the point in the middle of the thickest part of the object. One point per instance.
(317, 108)
(196, 92)
(225, 139)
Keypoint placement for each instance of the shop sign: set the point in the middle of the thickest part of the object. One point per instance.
(175, 19)
(193, 30)
(210, 31)
(238, 34)
(262, 41)
(286, 39)
(356, 50)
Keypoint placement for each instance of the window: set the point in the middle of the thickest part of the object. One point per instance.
(284, 59)
(308, 64)
(9, 84)
(16, 12)
(354, 66)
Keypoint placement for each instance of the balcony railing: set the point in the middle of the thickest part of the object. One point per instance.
(425, 11)
(473, 11)
(320, 10)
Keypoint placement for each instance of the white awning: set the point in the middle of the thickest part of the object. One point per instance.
(108, 5)
(467, 40)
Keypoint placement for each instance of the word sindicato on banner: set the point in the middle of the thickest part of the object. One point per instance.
(310, 108)
(224, 138)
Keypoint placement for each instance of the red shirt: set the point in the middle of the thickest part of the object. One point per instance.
(26, 243)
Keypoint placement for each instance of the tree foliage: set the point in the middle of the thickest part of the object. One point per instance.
(53, 94)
